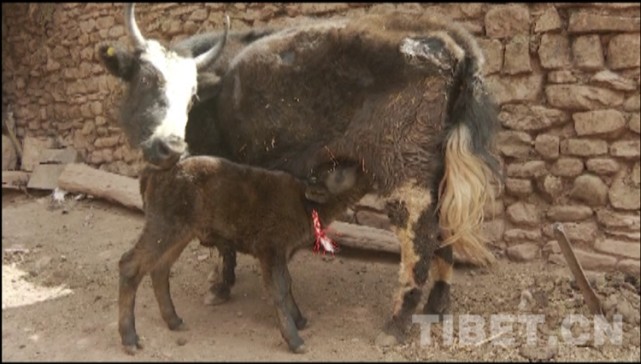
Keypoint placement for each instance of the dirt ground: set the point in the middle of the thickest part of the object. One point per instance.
(60, 280)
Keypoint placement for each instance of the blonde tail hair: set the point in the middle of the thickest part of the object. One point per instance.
(463, 192)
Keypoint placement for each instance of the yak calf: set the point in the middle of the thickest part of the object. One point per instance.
(255, 211)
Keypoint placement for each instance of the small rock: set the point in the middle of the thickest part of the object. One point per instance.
(541, 298)
(630, 315)
(385, 340)
(590, 189)
(523, 252)
(202, 257)
(534, 353)
(526, 300)
(609, 304)
(181, 341)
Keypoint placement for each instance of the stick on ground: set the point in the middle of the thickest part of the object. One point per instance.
(594, 304)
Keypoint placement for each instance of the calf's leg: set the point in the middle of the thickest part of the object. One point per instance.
(133, 266)
(291, 305)
(278, 284)
(160, 280)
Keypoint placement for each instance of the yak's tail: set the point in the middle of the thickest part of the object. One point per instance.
(468, 165)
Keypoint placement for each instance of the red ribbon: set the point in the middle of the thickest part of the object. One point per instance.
(322, 240)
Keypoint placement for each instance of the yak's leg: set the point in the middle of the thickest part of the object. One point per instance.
(438, 301)
(220, 290)
(160, 280)
(133, 266)
(278, 284)
(416, 226)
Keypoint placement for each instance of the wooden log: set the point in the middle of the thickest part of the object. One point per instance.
(16, 180)
(370, 238)
(363, 237)
(81, 178)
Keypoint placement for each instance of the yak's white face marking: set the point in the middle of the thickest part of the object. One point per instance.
(180, 86)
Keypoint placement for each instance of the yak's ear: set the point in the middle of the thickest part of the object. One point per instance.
(118, 62)
(208, 85)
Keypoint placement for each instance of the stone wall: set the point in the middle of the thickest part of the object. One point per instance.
(566, 77)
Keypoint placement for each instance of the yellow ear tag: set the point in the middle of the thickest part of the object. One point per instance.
(111, 51)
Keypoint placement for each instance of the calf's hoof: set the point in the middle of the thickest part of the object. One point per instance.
(177, 325)
(300, 349)
(218, 293)
(213, 299)
(296, 345)
(131, 344)
(131, 349)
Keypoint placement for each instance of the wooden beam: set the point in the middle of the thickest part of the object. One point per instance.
(16, 180)
(81, 178)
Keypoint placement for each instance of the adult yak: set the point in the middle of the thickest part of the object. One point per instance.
(400, 93)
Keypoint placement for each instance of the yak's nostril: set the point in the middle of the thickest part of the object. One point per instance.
(163, 149)
(168, 147)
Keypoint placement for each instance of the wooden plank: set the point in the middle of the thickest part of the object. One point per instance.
(81, 178)
(15, 179)
(45, 176)
(31, 151)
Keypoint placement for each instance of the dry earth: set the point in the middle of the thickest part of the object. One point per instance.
(59, 300)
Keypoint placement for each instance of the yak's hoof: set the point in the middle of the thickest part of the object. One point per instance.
(438, 302)
(212, 299)
(301, 323)
(395, 329)
(438, 310)
(178, 325)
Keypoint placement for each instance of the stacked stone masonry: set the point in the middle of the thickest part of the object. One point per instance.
(566, 77)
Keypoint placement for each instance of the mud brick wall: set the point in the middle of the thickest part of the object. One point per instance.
(566, 77)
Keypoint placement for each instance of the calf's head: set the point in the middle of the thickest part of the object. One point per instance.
(162, 85)
(331, 179)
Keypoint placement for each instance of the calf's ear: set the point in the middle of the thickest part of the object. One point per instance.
(208, 85)
(118, 62)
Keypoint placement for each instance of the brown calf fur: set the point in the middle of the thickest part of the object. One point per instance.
(255, 211)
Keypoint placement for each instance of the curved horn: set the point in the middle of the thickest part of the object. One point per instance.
(212, 55)
(132, 27)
